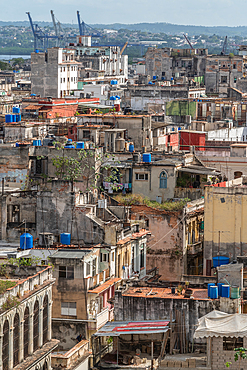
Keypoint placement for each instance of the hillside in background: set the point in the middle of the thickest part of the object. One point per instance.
(169, 28)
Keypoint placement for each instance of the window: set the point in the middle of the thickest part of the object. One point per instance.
(36, 326)
(66, 272)
(61, 80)
(234, 66)
(45, 320)
(88, 268)
(16, 340)
(61, 69)
(104, 257)
(230, 343)
(64, 80)
(5, 348)
(71, 79)
(142, 256)
(163, 180)
(94, 267)
(68, 79)
(112, 256)
(68, 308)
(223, 79)
(26, 332)
(235, 79)
(64, 69)
(141, 176)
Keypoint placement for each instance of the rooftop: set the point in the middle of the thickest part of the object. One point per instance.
(117, 328)
(104, 286)
(148, 292)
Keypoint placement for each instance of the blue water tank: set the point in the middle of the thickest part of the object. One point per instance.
(150, 83)
(225, 291)
(220, 288)
(146, 157)
(113, 98)
(173, 129)
(80, 145)
(131, 148)
(13, 118)
(220, 260)
(18, 117)
(36, 50)
(26, 241)
(179, 129)
(113, 82)
(154, 77)
(37, 143)
(213, 292)
(118, 97)
(16, 110)
(69, 146)
(69, 141)
(209, 285)
(17, 144)
(65, 238)
(8, 118)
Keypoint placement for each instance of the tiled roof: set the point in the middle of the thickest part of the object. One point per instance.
(153, 292)
(107, 284)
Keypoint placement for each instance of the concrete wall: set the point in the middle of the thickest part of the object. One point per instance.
(164, 253)
(44, 73)
(151, 188)
(224, 229)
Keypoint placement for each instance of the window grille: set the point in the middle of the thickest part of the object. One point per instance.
(16, 339)
(45, 320)
(26, 332)
(5, 350)
(36, 326)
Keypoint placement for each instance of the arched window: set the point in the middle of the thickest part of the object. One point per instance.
(5, 350)
(26, 332)
(16, 339)
(36, 326)
(163, 180)
(45, 320)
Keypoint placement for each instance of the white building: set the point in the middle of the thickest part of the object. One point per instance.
(106, 60)
(54, 73)
(229, 134)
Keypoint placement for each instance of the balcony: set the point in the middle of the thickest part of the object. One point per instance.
(195, 248)
(99, 319)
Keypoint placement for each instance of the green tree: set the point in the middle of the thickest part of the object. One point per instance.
(240, 354)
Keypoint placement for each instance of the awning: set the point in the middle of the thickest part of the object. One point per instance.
(107, 284)
(221, 324)
(118, 328)
(199, 171)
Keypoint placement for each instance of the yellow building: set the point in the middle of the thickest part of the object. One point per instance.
(225, 232)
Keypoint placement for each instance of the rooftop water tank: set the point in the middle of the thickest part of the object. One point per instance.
(26, 241)
(131, 148)
(209, 285)
(154, 77)
(8, 118)
(113, 98)
(146, 157)
(220, 260)
(13, 118)
(235, 292)
(36, 142)
(80, 145)
(220, 288)
(16, 110)
(69, 146)
(65, 238)
(225, 291)
(213, 292)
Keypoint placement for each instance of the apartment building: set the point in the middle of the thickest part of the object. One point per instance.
(54, 73)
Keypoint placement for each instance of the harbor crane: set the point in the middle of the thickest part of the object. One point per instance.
(41, 39)
(85, 29)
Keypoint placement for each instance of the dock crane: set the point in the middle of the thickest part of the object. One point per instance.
(224, 48)
(186, 38)
(123, 48)
(85, 29)
(41, 39)
(61, 36)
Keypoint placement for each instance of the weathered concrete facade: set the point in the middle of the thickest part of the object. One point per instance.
(225, 233)
(26, 329)
(165, 253)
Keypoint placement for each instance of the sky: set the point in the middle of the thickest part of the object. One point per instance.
(193, 12)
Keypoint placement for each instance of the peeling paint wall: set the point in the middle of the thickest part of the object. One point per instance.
(164, 246)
